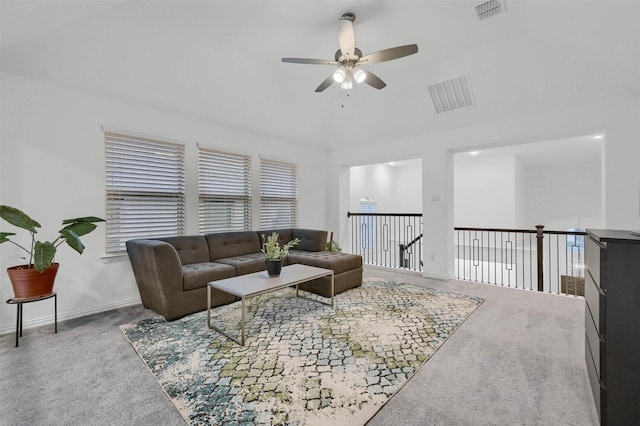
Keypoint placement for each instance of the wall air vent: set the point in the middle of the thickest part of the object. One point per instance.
(451, 94)
(489, 8)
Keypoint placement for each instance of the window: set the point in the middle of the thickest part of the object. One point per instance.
(145, 190)
(368, 223)
(575, 242)
(224, 188)
(278, 194)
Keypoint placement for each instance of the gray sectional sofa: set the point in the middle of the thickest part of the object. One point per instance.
(172, 273)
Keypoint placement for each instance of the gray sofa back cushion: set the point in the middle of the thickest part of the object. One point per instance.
(230, 244)
(191, 249)
(310, 239)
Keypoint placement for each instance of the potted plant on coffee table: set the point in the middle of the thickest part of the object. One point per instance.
(36, 278)
(276, 252)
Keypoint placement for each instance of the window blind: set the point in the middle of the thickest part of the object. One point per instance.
(368, 224)
(145, 190)
(278, 194)
(224, 191)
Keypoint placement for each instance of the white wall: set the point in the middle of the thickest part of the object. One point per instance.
(520, 181)
(563, 196)
(396, 189)
(408, 190)
(617, 119)
(484, 191)
(500, 191)
(52, 167)
(376, 181)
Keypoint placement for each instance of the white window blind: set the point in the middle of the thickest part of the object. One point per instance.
(224, 191)
(145, 190)
(368, 224)
(278, 194)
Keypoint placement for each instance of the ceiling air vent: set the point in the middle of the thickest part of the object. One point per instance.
(489, 8)
(451, 94)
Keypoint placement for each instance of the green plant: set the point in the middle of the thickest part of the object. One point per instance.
(273, 249)
(333, 247)
(41, 254)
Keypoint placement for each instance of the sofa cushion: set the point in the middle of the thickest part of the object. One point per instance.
(339, 262)
(342, 282)
(197, 275)
(247, 264)
(232, 244)
(310, 239)
(190, 249)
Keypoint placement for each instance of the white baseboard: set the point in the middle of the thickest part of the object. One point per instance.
(436, 276)
(50, 319)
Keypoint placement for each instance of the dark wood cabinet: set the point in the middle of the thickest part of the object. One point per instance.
(612, 324)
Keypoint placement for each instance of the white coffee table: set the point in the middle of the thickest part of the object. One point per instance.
(250, 285)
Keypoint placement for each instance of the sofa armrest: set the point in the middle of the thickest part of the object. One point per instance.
(158, 272)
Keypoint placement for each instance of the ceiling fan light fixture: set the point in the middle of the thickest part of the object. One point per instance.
(359, 75)
(339, 75)
(348, 57)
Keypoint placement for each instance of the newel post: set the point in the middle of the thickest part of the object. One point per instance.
(539, 237)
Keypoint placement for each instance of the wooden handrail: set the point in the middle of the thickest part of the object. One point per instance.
(524, 231)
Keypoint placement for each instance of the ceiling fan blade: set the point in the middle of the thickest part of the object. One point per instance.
(346, 37)
(309, 61)
(374, 81)
(326, 83)
(389, 54)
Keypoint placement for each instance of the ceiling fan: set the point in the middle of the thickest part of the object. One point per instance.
(349, 59)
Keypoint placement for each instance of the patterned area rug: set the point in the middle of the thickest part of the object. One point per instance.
(303, 362)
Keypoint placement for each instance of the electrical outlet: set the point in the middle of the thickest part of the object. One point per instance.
(432, 257)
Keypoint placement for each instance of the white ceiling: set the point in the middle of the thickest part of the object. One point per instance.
(220, 60)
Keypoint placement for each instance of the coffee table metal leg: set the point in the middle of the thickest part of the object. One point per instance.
(244, 318)
(213, 327)
(318, 300)
(208, 306)
(333, 289)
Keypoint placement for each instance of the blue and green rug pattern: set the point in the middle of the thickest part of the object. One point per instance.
(303, 363)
